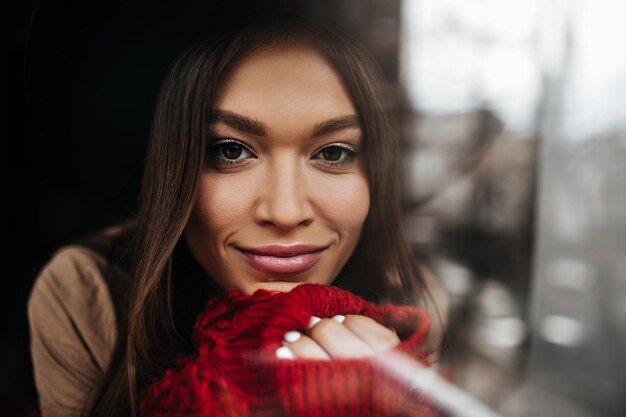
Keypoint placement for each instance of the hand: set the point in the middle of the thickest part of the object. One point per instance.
(352, 336)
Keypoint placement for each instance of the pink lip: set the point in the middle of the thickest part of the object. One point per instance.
(278, 259)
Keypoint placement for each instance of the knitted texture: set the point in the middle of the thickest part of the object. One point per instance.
(236, 372)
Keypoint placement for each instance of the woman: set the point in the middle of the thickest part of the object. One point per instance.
(271, 164)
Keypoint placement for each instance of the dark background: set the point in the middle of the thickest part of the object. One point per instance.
(80, 81)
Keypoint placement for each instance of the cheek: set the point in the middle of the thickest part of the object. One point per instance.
(221, 204)
(344, 201)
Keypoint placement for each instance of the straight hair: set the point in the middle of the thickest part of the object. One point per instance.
(382, 267)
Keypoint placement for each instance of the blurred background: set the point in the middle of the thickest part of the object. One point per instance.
(513, 119)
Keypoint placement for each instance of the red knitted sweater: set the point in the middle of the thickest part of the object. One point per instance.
(236, 372)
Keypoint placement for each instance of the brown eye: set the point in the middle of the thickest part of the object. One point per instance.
(332, 154)
(336, 155)
(229, 153)
(232, 150)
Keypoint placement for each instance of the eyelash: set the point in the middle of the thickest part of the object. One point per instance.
(217, 160)
(352, 154)
(215, 154)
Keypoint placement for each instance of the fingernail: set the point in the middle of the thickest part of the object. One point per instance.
(339, 318)
(292, 336)
(314, 320)
(284, 352)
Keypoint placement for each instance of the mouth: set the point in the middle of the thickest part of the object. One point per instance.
(279, 259)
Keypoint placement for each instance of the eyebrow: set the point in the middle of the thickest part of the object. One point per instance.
(333, 125)
(237, 121)
(248, 125)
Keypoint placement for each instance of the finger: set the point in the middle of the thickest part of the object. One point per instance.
(377, 336)
(338, 340)
(284, 352)
(303, 346)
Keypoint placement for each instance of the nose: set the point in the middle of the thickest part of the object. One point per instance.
(284, 199)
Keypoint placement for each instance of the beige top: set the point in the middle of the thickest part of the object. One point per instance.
(72, 328)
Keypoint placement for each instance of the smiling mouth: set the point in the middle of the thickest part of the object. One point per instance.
(278, 259)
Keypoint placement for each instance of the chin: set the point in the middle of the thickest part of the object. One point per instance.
(280, 286)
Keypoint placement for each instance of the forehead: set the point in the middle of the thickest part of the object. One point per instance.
(284, 80)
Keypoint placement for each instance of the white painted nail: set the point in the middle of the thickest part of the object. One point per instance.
(339, 318)
(284, 352)
(292, 336)
(314, 320)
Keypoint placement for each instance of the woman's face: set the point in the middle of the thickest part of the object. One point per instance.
(284, 196)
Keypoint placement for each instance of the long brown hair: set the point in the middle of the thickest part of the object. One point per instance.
(382, 266)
